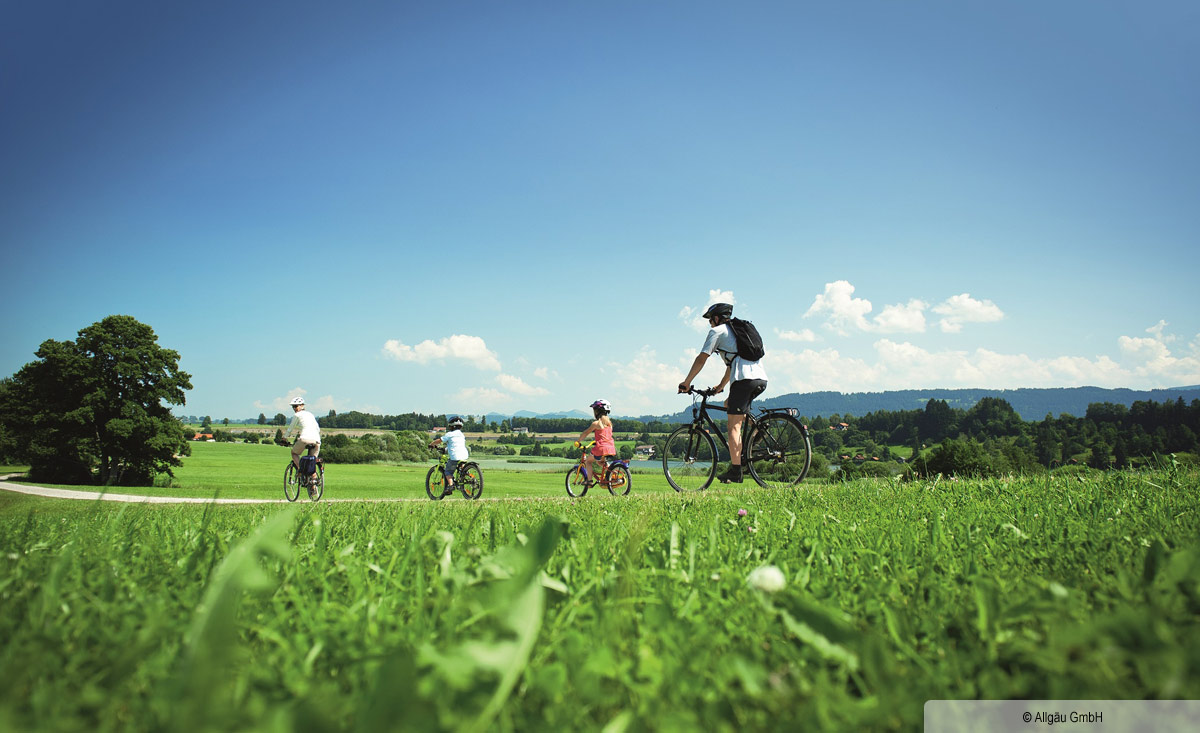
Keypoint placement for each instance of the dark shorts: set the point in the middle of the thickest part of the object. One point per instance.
(448, 469)
(741, 393)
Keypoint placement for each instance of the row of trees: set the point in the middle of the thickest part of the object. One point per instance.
(991, 438)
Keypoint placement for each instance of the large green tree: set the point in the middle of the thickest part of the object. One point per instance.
(95, 409)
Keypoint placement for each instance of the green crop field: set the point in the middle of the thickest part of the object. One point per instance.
(601, 613)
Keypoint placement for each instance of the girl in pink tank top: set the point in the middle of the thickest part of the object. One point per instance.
(602, 428)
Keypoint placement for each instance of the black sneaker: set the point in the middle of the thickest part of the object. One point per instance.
(448, 491)
(733, 475)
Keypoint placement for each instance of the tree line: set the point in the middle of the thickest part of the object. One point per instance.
(991, 438)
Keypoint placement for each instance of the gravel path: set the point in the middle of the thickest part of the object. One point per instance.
(7, 485)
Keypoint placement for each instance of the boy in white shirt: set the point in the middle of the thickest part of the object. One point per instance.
(456, 449)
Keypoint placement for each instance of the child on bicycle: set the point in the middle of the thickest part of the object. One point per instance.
(604, 448)
(456, 449)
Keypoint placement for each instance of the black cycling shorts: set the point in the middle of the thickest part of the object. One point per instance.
(742, 393)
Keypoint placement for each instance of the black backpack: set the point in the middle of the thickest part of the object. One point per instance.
(749, 343)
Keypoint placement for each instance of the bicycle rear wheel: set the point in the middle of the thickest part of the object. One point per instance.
(291, 482)
(619, 480)
(434, 485)
(690, 459)
(780, 452)
(576, 482)
(470, 480)
(318, 481)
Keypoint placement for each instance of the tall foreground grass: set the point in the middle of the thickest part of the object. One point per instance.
(633, 613)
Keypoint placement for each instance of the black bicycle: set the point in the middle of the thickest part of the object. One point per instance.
(310, 476)
(776, 449)
(468, 478)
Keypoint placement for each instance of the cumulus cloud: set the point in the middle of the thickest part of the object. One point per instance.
(1155, 357)
(842, 310)
(519, 386)
(1146, 362)
(470, 349)
(901, 318)
(643, 381)
(479, 399)
(845, 313)
(962, 308)
(803, 335)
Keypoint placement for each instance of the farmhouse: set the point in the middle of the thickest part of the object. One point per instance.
(645, 451)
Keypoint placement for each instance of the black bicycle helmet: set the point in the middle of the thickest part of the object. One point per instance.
(716, 310)
(454, 423)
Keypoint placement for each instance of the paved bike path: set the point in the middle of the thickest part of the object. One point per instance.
(7, 485)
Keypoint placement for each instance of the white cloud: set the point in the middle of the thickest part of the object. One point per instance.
(962, 308)
(643, 381)
(470, 349)
(541, 373)
(519, 386)
(844, 311)
(1147, 363)
(906, 318)
(1156, 360)
(804, 335)
(474, 400)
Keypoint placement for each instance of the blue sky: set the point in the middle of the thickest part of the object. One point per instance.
(470, 207)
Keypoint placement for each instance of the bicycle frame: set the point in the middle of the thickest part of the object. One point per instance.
(700, 416)
(604, 467)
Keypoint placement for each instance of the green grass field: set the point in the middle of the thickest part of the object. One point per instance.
(630, 614)
(241, 470)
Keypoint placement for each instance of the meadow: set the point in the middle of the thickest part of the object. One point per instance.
(617, 614)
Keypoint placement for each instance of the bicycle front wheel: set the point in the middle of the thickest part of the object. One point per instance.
(291, 482)
(690, 459)
(470, 481)
(780, 452)
(433, 483)
(576, 482)
(619, 480)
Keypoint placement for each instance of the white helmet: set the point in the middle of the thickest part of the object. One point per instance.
(298, 401)
(600, 407)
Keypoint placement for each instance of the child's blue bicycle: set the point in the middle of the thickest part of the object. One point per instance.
(615, 476)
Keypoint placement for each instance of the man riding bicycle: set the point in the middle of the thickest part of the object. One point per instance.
(304, 423)
(749, 381)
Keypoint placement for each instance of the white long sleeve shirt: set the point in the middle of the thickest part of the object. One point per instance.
(305, 423)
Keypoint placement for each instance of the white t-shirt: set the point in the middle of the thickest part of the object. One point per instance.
(456, 445)
(306, 423)
(722, 341)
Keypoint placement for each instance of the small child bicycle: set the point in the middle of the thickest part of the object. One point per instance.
(615, 476)
(467, 478)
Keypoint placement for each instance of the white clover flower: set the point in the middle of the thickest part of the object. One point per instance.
(767, 578)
